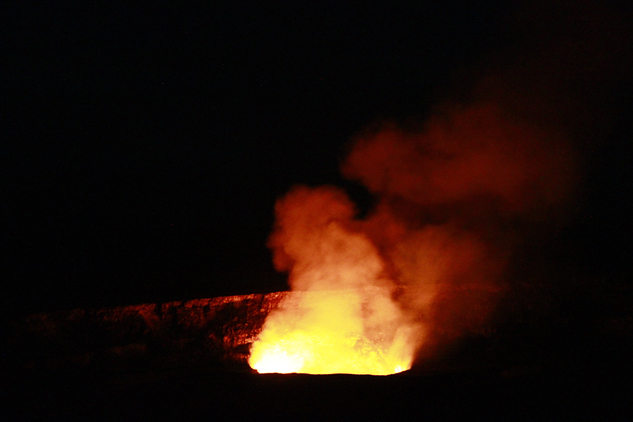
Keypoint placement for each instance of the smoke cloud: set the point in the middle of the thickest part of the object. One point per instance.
(458, 193)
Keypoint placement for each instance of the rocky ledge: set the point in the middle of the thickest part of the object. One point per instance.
(208, 332)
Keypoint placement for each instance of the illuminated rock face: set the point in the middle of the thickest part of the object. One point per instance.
(211, 332)
(218, 332)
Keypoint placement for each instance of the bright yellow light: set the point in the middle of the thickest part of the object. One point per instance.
(325, 333)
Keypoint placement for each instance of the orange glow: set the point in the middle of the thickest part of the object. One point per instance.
(424, 267)
(342, 317)
(324, 332)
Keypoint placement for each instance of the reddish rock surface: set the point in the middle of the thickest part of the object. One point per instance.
(188, 360)
(159, 338)
(168, 335)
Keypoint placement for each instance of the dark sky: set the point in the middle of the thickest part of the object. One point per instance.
(143, 148)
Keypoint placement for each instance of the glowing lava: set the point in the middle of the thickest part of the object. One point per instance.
(342, 317)
(325, 332)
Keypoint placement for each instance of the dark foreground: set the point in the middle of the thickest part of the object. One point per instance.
(186, 361)
(478, 383)
(235, 395)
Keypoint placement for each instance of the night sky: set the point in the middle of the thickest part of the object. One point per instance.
(143, 148)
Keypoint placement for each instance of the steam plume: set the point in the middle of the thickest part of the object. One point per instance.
(456, 194)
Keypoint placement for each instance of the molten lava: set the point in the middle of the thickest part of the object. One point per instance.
(342, 317)
(325, 332)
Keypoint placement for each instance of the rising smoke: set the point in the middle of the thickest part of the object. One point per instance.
(456, 195)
